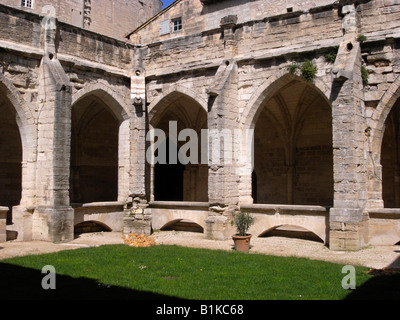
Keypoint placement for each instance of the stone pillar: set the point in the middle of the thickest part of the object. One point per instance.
(347, 218)
(53, 219)
(224, 177)
(137, 219)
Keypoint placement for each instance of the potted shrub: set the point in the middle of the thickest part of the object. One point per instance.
(242, 221)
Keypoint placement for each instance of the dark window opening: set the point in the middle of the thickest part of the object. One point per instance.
(177, 25)
(27, 3)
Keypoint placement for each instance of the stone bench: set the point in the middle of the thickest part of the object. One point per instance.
(3, 223)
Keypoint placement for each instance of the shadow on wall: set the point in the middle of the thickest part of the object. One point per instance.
(293, 232)
(19, 283)
(183, 225)
(396, 263)
(11, 235)
(90, 227)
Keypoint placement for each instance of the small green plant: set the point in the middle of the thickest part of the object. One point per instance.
(364, 75)
(242, 221)
(308, 70)
(330, 57)
(293, 68)
(361, 38)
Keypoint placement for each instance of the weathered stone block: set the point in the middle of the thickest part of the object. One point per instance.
(54, 224)
(3, 223)
(22, 218)
(132, 225)
(348, 236)
(218, 228)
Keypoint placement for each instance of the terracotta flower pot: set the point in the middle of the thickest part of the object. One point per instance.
(242, 243)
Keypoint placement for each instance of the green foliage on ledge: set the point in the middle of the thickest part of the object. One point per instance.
(307, 69)
(330, 57)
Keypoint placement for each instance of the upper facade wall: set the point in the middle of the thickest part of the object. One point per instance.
(258, 34)
(197, 17)
(113, 18)
(85, 56)
(380, 20)
(247, 10)
(22, 31)
(257, 38)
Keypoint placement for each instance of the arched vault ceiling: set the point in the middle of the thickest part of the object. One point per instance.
(185, 111)
(290, 104)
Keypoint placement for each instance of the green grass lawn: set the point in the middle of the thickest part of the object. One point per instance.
(169, 272)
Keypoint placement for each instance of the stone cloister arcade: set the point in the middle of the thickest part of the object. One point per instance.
(292, 157)
(73, 142)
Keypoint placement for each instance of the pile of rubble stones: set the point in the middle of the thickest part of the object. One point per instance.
(138, 241)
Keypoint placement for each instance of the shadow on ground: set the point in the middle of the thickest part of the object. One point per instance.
(19, 283)
(395, 263)
(379, 287)
(384, 285)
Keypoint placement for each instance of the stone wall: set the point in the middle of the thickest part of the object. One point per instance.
(318, 140)
(333, 157)
(50, 72)
(112, 18)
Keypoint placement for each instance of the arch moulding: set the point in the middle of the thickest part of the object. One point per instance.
(268, 87)
(117, 104)
(169, 95)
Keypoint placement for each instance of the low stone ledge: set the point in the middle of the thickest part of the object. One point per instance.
(286, 209)
(179, 205)
(97, 205)
(384, 213)
(103, 204)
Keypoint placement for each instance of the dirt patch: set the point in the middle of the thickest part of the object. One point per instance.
(384, 271)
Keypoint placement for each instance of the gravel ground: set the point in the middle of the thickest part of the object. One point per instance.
(372, 257)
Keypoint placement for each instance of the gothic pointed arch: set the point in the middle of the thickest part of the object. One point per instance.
(17, 146)
(158, 105)
(23, 116)
(116, 102)
(293, 151)
(99, 145)
(175, 181)
(268, 87)
(383, 144)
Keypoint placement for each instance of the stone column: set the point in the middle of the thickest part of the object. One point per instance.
(137, 219)
(53, 219)
(224, 177)
(347, 219)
